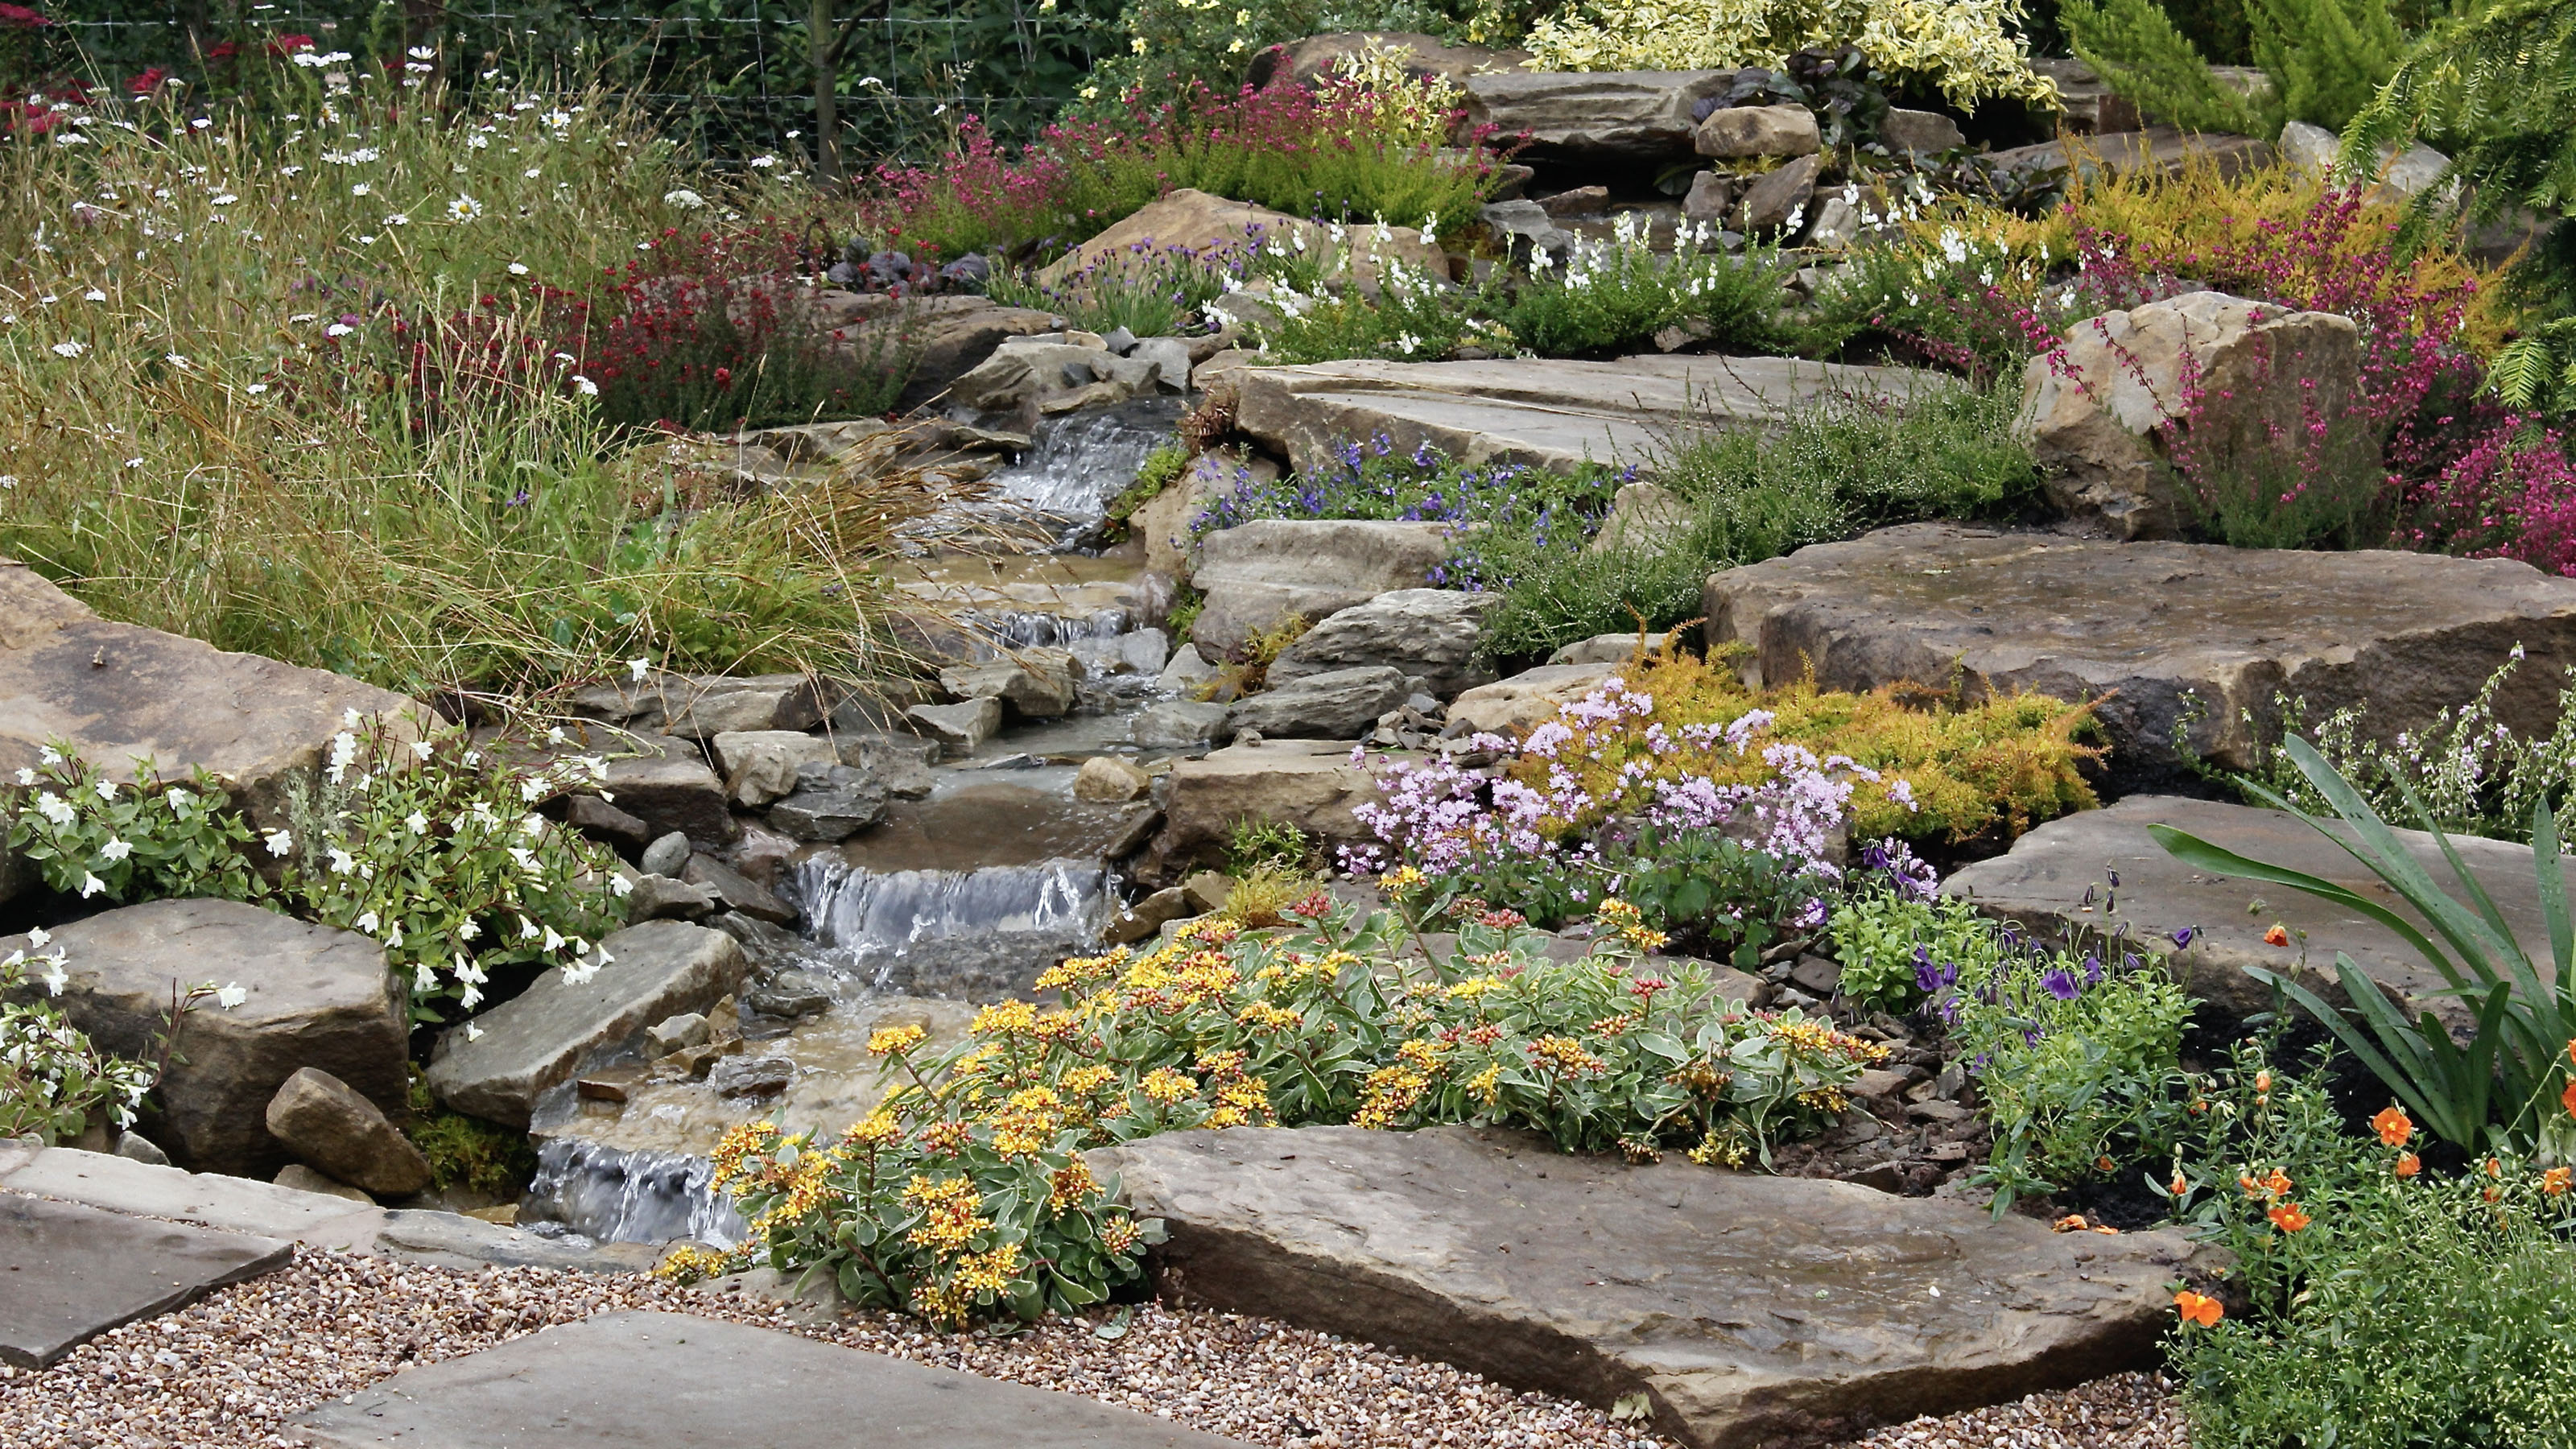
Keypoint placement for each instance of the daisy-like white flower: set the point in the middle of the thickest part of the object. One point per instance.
(584, 386)
(338, 329)
(464, 208)
(518, 269)
(93, 295)
(362, 189)
(399, 218)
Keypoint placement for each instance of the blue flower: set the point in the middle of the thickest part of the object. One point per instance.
(2092, 970)
(2183, 937)
(2061, 983)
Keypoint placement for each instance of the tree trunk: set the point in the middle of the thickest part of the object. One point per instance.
(823, 33)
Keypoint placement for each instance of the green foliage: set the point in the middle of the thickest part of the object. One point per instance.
(2404, 1308)
(1252, 845)
(2495, 85)
(1884, 939)
(1604, 296)
(1169, 46)
(2138, 50)
(1970, 51)
(2498, 1092)
(2326, 58)
(435, 850)
(1153, 293)
(148, 840)
(1161, 468)
(1408, 316)
(966, 1198)
(467, 1152)
(52, 1077)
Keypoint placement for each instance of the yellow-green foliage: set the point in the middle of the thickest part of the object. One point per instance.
(1973, 50)
(1990, 769)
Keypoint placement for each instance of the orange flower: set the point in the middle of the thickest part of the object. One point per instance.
(2181, 1184)
(2105, 1163)
(2277, 936)
(2263, 1080)
(2554, 1181)
(2198, 1309)
(2567, 1099)
(2393, 1126)
(2071, 1223)
(2288, 1217)
(2494, 1168)
(2408, 1164)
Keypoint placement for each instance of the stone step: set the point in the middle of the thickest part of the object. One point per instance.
(646, 1380)
(74, 1272)
(1749, 1309)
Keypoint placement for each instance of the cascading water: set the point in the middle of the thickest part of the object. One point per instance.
(977, 934)
(613, 1196)
(1078, 463)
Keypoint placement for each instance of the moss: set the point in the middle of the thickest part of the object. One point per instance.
(468, 1152)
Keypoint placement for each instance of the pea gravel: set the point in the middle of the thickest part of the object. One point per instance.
(230, 1371)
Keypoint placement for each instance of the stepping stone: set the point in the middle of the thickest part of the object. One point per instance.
(1539, 412)
(2043, 883)
(2162, 634)
(1748, 1309)
(237, 1204)
(647, 1380)
(73, 1272)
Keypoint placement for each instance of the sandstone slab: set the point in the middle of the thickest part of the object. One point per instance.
(1532, 697)
(235, 1204)
(668, 787)
(317, 997)
(1922, 132)
(2162, 635)
(2043, 882)
(955, 334)
(1429, 633)
(1539, 412)
(1594, 116)
(1306, 61)
(1749, 1309)
(1258, 574)
(1202, 224)
(1735, 132)
(541, 1037)
(119, 692)
(1340, 704)
(650, 1380)
(74, 1272)
(1778, 201)
(701, 706)
(2157, 148)
(1310, 784)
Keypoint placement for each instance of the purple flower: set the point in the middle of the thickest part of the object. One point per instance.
(2061, 983)
(1931, 975)
(2092, 970)
(2183, 937)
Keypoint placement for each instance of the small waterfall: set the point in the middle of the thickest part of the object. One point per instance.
(977, 934)
(614, 1196)
(1082, 460)
(1042, 630)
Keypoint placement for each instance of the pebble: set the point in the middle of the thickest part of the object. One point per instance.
(229, 1371)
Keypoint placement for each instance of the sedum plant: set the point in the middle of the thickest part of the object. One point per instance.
(966, 1195)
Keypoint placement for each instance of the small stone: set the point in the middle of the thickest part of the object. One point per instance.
(1209, 890)
(1038, 683)
(1771, 201)
(328, 1124)
(1922, 132)
(666, 855)
(760, 765)
(606, 823)
(1711, 193)
(1178, 724)
(962, 726)
(676, 1033)
(1816, 974)
(135, 1147)
(736, 891)
(1581, 201)
(790, 994)
(1148, 916)
(1744, 131)
(614, 1085)
(661, 898)
(1109, 780)
(304, 1179)
(751, 1076)
(830, 802)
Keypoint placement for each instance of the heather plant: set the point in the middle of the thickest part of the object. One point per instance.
(2510, 493)
(965, 1197)
(149, 839)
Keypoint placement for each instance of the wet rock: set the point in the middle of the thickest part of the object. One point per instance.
(761, 853)
(1736, 132)
(761, 766)
(664, 898)
(2163, 634)
(1185, 671)
(1170, 359)
(1027, 372)
(1747, 1309)
(1148, 916)
(1138, 651)
(961, 726)
(546, 1034)
(1307, 61)
(699, 706)
(767, 945)
(1109, 780)
(1429, 633)
(1924, 133)
(789, 994)
(671, 789)
(1309, 784)
(2098, 414)
(676, 1034)
(1594, 116)
(831, 802)
(751, 1076)
(607, 824)
(1340, 704)
(667, 854)
(1180, 724)
(1526, 700)
(736, 891)
(330, 1126)
(1770, 202)
(119, 691)
(1038, 683)
(1524, 230)
(1259, 573)
(2054, 881)
(318, 997)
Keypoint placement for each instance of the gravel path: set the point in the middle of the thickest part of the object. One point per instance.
(226, 1373)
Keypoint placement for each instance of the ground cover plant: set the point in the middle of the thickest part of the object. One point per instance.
(966, 1198)
(324, 379)
(55, 1083)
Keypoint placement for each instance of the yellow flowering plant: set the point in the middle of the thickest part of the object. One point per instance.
(966, 1195)
(1970, 50)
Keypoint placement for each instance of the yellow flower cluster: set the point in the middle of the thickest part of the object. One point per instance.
(989, 1272)
(1387, 1095)
(1565, 1054)
(950, 1221)
(739, 1144)
(1817, 1038)
(896, 1040)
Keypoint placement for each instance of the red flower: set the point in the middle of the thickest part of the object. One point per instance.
(149, 81)
(285, 45)
(222, 50)
(22, 17)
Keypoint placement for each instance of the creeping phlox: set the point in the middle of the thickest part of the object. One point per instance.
(965, 1195)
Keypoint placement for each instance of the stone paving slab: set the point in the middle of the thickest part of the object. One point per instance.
(239, 1204)
(650, 1380)
(2055, 878)
(69, 1273)
(1751, 1310)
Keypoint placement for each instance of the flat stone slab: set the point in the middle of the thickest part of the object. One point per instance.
(237, 1204)
(648, 1380)
(74, 1272)
(545, 1034)
(2043, 883)
(1750, 1310)
(1538, 412)
(2159, 634)
(1310, 784)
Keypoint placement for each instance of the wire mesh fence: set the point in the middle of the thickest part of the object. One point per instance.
(732, 78)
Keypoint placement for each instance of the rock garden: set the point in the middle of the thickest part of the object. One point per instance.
(1635, 724)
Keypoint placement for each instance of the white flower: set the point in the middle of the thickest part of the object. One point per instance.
(54, 808)
(338, 329)
(683, 198)
(477, 142)
(421, 749)
(473, 1032)
(57, 978)
(763, 163)
(552, 942)
(368, 922)
(26, 777)
(256, 388)
(174, 359)
(230, 995)
(40, 938)
(584, 386)
(70, 349)
(424, 980)
(90, 885)
(532, 791)
(93, 295)
(226, 199)
(635, 667)
(528, 929)
(464, 208)
(116, 849)
(361, 189)
(518, 269)
(278, 842)
(619, 885)
(417, 823)
(399, 218)
(466, 930)
(394, 941)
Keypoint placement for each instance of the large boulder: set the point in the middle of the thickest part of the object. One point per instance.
(761, 765)
(1532, 697)
(1037, 683)
(1207, 225)
(1310, 784)
(115, 693)
(1778, 201)
(1736, 132)
(2056, 880)
(956, 334)
(325, 1122)
(1342, 704)
(2397, 174)
(1304, 62)
(1541, 412)
(496, 1065)
(665, 783)
(1026, 372)
(1427, 633)
(1748, 1309)
(2164, 636)
(1257, 574)
(317, 997)
(2247, 378)
(702, 706)
(1591, 117)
